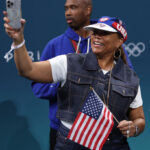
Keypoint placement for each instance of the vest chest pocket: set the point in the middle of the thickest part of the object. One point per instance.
(79, 85)
(123, 91)
(122, 97)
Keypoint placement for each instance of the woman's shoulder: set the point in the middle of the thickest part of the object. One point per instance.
(75, 56)
(125, 73)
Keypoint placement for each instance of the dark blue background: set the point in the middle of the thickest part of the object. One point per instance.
(24, 123)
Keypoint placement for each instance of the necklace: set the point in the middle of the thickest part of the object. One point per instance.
(108, 90)
(108, 93)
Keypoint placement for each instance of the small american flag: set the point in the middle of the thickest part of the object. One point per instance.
(93, 123)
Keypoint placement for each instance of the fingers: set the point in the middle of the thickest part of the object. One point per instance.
(6, 19)
(123, 125)
(124, 128)
(9, 30)
(7, 26)
(127, 128)
(15, 34)
(5, 13)
(23, 22)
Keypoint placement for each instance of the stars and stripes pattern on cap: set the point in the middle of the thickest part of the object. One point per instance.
(93, 123)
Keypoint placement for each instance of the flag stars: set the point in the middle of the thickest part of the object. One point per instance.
(93, 106)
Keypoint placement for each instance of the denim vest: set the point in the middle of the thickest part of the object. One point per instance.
(83, 72)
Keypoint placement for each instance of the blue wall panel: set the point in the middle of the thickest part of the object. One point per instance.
(24, 120)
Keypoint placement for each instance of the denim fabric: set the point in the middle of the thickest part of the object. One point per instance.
(84, 72)
(52, 139)
(63, 143)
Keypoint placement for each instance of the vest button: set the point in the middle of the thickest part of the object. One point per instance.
(79, 80)
(65, 138)
(123, 91)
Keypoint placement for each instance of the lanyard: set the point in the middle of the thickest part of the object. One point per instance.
(74, 44)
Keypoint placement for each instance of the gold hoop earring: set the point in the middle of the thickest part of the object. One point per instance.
(117, 54)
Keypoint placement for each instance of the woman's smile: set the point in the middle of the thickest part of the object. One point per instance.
(97, 44)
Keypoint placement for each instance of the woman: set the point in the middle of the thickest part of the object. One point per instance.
(102, 70)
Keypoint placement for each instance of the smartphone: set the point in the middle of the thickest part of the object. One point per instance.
(13, 8)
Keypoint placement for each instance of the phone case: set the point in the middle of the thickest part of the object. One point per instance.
(13, 8)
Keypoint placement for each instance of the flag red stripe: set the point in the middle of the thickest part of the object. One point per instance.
(100, 123)
(76, 120)
(89, 132)
(83, 131)
(112, 124)
(79, 126)
(102, 132)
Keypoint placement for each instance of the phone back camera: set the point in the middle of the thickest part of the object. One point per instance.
(9, 4)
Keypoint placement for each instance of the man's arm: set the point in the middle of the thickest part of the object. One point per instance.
(45, 90)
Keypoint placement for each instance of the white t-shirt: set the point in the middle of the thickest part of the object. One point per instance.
(59, 73)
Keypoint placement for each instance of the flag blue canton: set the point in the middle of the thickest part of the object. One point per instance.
(92, 106)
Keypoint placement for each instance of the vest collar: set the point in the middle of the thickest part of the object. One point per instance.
(90, 62)
(119, 70)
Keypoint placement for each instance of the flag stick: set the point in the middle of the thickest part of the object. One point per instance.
(106, 106)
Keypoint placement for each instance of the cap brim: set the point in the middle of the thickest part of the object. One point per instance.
(100, 26)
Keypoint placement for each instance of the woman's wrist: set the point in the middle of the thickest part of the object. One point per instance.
(18, 40)
(136, 131)
(14, 46)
